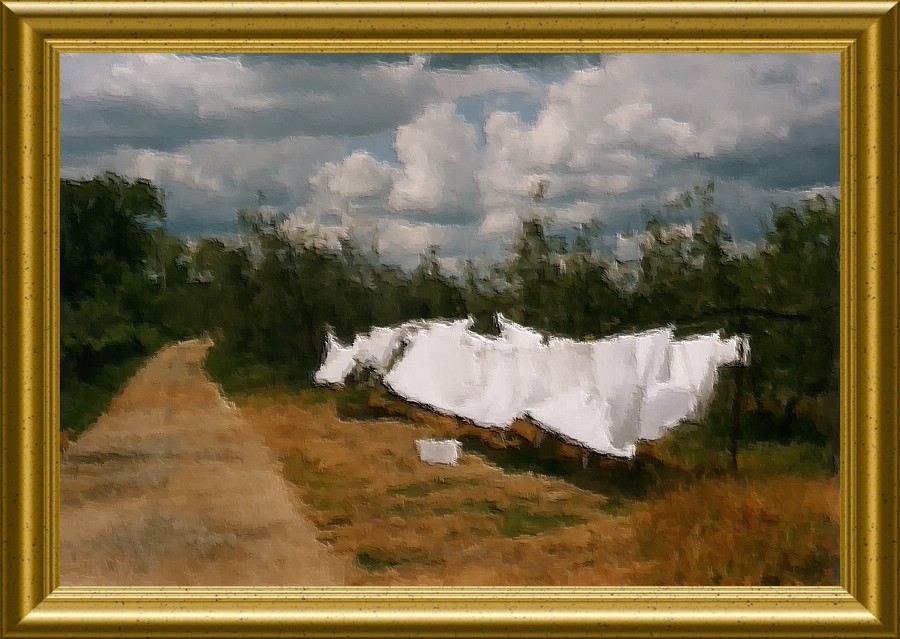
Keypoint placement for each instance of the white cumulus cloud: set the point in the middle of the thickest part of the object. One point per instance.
(437, 154)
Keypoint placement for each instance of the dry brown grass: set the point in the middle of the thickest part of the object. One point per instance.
(171, 488)
(743, 532)
(400, 521)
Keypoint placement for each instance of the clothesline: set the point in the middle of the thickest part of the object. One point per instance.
(604, 395)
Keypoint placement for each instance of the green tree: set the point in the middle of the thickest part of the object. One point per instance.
(665, 272)
(798, 350)
(111, 263)
(431, 293)
(534, 274)
(106, 232)
(589, 304)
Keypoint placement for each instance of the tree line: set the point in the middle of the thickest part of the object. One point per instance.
(128, 286)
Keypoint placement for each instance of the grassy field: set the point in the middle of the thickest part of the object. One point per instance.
(522, 509)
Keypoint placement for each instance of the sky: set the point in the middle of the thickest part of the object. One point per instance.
(404, 152)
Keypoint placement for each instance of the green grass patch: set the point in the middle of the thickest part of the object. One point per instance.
(327, 492)
(375, 561)
(422, 489)
(798, 459)
(283, 394)
(693, 446)
(82, 403)
(241, 373)
(406, 508)
(516, 522)
(482, 507)
(315, 396)
(698, 448)
(613, 506)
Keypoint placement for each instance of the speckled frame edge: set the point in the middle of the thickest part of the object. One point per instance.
(31, 36)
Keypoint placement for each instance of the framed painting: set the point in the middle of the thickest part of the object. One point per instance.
(416, 319)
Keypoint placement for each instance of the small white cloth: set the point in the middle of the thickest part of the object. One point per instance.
(438, 451)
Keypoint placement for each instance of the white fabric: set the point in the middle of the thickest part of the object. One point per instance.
(438, 451)
(339, 362)
(581, 418)
(375, 349)
(438, 368)
(603, 395)
(663, 407)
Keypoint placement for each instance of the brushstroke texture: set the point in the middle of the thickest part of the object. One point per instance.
(602, 395)
(172, 488)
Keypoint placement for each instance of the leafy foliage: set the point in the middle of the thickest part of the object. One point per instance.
(269, 298)
(116, 260)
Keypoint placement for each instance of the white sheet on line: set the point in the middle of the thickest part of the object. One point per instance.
(604, 395)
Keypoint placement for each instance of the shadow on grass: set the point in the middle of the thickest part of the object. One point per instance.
(691, 452)
(621, 480)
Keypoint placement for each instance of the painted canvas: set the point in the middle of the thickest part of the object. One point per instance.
(449, 319)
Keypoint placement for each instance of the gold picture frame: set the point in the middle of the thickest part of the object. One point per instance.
(866, 34)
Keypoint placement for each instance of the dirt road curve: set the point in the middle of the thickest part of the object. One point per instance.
(172, 487)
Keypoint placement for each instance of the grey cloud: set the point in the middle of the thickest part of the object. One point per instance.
(353, 60)
(284, 99)
(808, 156)
(520, 61)
(787, 74)
(344, 103)
(90, 126)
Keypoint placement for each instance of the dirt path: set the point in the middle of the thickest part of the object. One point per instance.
(172, 487)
